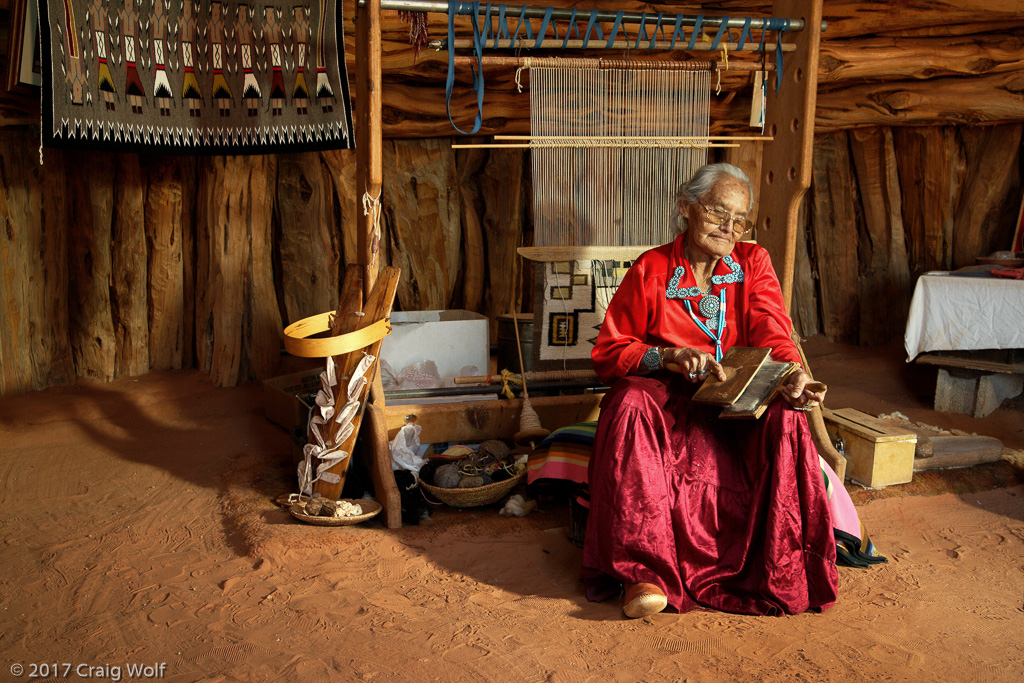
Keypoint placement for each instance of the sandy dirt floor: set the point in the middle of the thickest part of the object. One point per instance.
(139, 529)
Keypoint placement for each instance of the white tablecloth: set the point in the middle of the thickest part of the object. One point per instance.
(958, 313)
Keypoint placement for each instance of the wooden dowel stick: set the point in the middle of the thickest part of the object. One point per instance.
(525, 145)
(763, 138)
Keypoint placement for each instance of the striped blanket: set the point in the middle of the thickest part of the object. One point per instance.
(560, 462)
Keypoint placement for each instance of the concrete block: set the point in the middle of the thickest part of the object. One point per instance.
(994, 389)
(955, 391)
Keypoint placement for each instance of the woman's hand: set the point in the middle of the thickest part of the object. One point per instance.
(801, 392)
(693, 364)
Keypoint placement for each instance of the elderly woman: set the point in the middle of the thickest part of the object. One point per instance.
(687, 510)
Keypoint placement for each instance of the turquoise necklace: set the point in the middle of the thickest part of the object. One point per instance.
(711, 306)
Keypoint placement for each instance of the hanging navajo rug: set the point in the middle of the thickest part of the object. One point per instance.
(195, 76)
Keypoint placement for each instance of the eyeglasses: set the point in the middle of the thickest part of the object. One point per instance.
(740, 226)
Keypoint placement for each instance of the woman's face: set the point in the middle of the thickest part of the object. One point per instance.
(728, 194)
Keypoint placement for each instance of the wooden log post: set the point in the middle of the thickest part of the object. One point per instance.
(168, 255)
(35, 347)
(502, 188)
(130, 269)
(834, 223)
(90, 206)
(340, 167)
(369, 154)
(52, 362)
(984, 221)
(263, 339)
(308, 243)
(804, 309)
(421, 203)
(884, 276)
(469, 162)
(190, 261)
(931, 167)
(233, 205)
(15, 248)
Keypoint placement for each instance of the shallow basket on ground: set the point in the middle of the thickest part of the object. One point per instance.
(472, 497)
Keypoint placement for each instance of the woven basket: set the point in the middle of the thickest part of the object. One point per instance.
(478, 495)
(370, 508)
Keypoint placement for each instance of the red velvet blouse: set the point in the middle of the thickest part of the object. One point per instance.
(641, 315)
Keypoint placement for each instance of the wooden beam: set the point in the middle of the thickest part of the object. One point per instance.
(901, 59)
(866, 17)
(992, 98)
(468, 421)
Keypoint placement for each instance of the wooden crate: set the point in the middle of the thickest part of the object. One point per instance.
(877, 453)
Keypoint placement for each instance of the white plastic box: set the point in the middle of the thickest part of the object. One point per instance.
(458, 343)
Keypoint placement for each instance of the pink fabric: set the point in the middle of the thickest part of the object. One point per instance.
(844, 514)
(723, 514)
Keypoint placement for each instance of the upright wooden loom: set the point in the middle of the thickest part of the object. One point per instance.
(785, 177)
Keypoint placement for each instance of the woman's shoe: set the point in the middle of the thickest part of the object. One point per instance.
(643, 600)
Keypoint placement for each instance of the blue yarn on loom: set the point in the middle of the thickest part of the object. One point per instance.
(482, 33)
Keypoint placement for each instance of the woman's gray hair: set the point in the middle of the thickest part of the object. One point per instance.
(706, 177)
(704, 180)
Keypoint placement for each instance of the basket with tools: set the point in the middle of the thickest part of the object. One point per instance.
(478, 478)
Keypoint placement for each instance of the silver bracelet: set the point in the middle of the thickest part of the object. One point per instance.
(652, 359)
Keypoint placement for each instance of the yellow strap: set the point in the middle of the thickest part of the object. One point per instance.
(297, 344)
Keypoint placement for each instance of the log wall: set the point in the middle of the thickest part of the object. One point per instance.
(113, 265)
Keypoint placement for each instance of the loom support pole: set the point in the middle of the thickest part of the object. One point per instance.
(369, 179)
(786, 164)
(369, 173)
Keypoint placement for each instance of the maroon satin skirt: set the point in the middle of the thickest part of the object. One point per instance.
(730, 515)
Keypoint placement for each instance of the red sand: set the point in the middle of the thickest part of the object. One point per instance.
(139, 529)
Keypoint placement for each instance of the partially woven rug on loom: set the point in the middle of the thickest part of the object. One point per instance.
(194, 76)
(570, 300)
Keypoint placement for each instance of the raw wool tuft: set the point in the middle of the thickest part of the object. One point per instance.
(517, 506)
